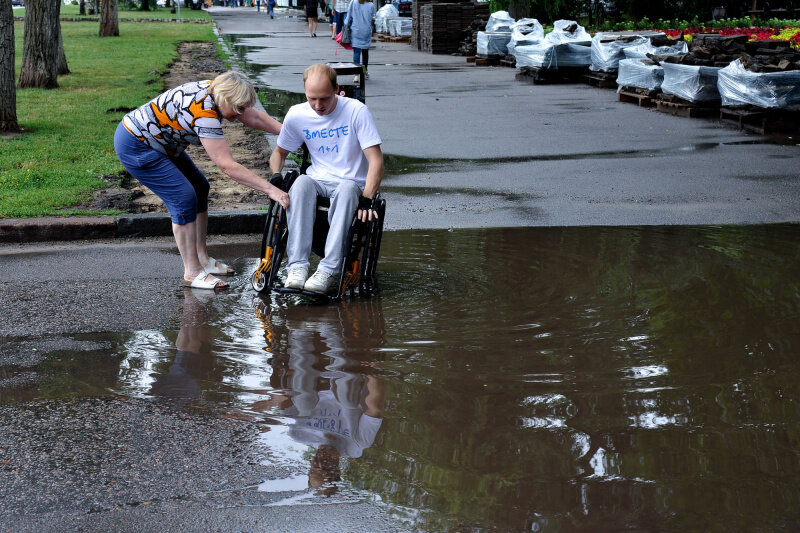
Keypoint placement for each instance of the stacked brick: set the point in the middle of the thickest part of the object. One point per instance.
(439, 28)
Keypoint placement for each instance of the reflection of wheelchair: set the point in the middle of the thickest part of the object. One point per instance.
(363, 241)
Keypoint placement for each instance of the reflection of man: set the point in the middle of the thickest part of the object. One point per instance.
(331, 393)
(346, 166)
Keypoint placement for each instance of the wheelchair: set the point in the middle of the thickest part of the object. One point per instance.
(361, 258)
(363, 240)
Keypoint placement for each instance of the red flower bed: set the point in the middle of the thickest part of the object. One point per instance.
(755, 34)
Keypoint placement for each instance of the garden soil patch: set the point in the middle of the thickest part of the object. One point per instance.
(198, 61)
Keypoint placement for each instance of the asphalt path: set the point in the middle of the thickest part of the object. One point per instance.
(487, 150)
(481, 150)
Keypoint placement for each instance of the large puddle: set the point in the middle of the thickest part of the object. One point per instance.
(508, 379)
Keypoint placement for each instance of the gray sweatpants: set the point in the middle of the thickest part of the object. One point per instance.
(302, 210)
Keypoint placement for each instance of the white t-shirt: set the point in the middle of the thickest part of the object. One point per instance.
(336, 141)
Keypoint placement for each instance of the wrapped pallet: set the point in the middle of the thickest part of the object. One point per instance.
(384, 14)
(499, 21)
(525, 32)
(493, 43)
(568, 45)
(692, 83)
(640, 73)
(607, 50)
(399, 26)
(640, 51)
(738, 86)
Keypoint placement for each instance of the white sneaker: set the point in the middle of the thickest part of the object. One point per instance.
(296, 278)
(321, 282)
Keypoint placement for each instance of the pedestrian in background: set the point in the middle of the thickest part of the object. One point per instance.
(359, 18)
(271, 8)
(312, 15)
(332, 18)
(341, 9)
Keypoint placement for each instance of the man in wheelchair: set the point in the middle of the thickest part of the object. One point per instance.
(346, 166)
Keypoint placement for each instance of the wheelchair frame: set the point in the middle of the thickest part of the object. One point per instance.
(360, 264)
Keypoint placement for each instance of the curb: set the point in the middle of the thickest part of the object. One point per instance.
(25, 230)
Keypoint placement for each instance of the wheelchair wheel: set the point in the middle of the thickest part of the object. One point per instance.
(272, 244)
(372, 249)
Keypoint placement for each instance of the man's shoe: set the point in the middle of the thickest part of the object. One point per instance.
(296, 278)
(321, 282)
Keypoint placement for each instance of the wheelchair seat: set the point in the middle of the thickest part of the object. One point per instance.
(361, 257)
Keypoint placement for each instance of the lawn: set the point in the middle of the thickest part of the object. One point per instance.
(68, 144)
(160, 12)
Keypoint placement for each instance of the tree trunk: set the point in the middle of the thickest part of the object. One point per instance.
(145, 5)
(82, 7)
(109, 22)
(40, 45)
(519, 9)
(8, 93)
(62, 67)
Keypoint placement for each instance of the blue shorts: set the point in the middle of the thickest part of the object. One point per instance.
(176, 180)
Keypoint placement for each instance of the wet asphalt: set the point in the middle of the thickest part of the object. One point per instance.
(506, 154)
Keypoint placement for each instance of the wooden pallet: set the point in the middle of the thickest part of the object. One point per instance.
(685, 109)
(395, 39)
(471, 59)
(642, 100)
(490, 61)
(603, 80)
(761, 121)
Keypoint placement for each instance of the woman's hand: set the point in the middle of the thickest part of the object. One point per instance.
(279, 196)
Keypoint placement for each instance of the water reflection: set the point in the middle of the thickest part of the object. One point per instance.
(323, 361)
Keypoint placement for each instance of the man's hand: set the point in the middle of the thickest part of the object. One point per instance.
(365, 210)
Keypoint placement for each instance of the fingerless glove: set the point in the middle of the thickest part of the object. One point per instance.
(364, 203)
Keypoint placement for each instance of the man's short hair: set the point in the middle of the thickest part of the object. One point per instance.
(321, 70)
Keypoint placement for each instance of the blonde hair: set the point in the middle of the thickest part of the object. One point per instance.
(321, 70)
(234, 90)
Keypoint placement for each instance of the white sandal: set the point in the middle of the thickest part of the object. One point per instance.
(201, 281)
(221, 270)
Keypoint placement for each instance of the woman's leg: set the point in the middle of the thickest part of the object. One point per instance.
(314, 26)
(180, 193)
(356, 55)
(365, 58)
(333, 24)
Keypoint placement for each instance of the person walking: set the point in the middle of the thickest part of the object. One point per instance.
(359, 17)
(332, 18)
(150, 143)
(271, 8)
(340, 6)
(312, 16)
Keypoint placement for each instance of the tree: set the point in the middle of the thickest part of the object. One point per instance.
(62, 67)
(8, 93)
(82, 7)
(145, 5)
(40, 45)
(109, 22)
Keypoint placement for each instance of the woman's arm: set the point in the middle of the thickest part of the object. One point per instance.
(259, 120)
(220, 153)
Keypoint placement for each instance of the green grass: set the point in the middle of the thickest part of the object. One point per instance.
(160, 13)
(68, 144)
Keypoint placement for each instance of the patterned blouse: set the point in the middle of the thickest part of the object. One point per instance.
(177, 118)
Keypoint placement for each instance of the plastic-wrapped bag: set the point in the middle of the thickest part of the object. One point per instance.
(525, 32)
(399, 26)
(607, 50)
(499, 21)
(739, 86)
(540, 55)
(382, 17)
(577, 54)
(640, 51)
(692, 83)
(567, 31)
(493, 44)
(641, 73)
